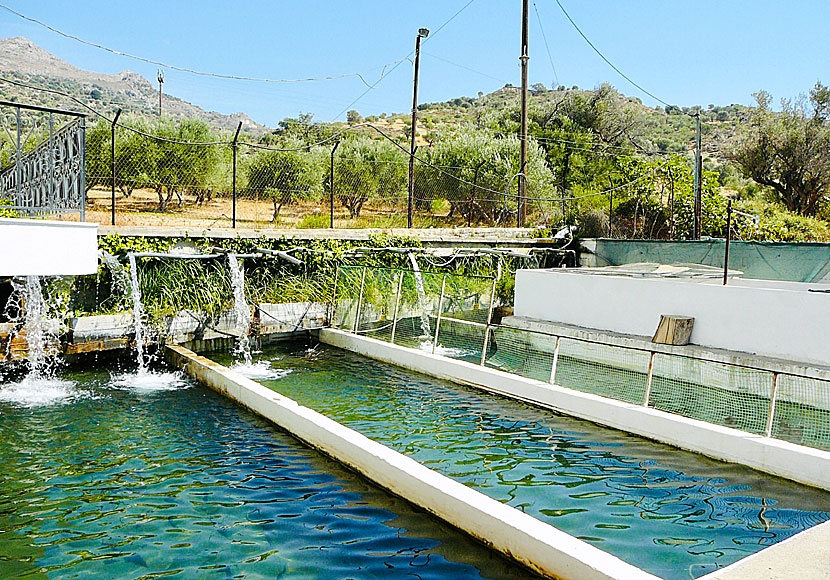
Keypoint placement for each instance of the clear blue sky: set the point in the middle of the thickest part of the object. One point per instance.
(685, 53)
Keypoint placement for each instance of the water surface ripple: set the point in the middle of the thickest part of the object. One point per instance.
(675, 514)
(176, 482)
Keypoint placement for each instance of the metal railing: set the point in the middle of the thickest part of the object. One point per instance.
(782, 404)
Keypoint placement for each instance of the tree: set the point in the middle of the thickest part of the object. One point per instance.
(283, 177)
(789, 151)
(367, 168)
(353, 117)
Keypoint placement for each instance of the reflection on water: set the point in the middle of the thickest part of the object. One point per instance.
(675, 514)
(148, 476)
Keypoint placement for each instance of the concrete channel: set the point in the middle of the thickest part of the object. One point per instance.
(521, 537)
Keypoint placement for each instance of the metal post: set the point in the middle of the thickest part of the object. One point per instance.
(112, 160)
(422, 33)
(359, 300)
(611, 211)
(397, 305)
(555, 362)
(161, 82)
(647, 395)
(19, 169)
(334, 294)
(82, 185)
(51, 204)
(440, 308)
(522, 213)
(771, 414)
(234, 147)
(728, 239)
(331, 184)
(698, 182)
(489, 322)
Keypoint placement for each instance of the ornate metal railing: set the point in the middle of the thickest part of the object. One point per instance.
(42, 160)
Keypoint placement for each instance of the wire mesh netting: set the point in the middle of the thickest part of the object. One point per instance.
(717, 393)
(402, 306)
(522, 353)
(602, 369)
(802, 411)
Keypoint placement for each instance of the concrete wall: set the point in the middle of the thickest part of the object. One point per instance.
(802, 464)
(519, 536)
(778, 322)
(47, 248)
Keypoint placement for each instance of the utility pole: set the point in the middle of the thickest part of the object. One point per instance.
(522, 209)
(698, 182)
(422, 33)
(161, 82)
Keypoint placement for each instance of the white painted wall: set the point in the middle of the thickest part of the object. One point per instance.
(775, 319)
(47, 248)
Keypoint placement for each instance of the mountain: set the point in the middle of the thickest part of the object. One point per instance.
(23, 61)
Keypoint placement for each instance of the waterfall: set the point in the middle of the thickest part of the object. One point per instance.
(120, 279)
(138, 315)
(41, 331)
(241, 310)
(422, 295)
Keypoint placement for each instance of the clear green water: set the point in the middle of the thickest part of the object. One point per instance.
(675, 514)
(161, 478)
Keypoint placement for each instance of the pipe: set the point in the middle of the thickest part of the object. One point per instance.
(282, 255)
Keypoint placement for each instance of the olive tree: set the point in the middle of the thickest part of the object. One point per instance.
(283, 177)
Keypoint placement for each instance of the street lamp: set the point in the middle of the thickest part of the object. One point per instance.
(422, 33)
(161, 82)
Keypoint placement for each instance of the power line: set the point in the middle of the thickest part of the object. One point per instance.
(398, 63)
(602, 56)
(545, 38)
(472, 70)
(189, 70)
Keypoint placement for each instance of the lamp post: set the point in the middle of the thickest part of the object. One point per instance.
(161, 82)
(422, 33)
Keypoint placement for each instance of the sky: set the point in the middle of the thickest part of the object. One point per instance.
(683, 53)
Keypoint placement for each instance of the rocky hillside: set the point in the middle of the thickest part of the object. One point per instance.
(23, 61)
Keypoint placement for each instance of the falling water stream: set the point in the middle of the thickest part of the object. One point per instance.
(119, 275)
(422, 296)
(138, 315)
(241, 310)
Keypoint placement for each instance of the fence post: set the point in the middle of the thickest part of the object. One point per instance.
(555, 362)
(359, 300)
(647, 395)
(82, 185)
(234, 147)
(489, 321)
(331, 186)
(334, 295)
(440, 308)
(771, 414)
(112, 160)
(397, 305)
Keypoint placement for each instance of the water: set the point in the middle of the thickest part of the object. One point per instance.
(675, 514)
(120, 278)
(139, 479)
(422, 296)
(241, 310)
(138, 315)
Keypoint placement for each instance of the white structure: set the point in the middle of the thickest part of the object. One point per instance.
(47, 248)
(777, 319)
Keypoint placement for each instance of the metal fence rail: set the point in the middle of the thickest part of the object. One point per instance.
(42, 160)
(452, 315)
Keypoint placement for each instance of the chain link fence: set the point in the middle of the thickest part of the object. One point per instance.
(178, 173)
(452, 315)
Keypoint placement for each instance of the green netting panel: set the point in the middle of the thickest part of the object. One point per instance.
(467, 298)
(717, 393)
(802, 411)
(521, 353)
(459, 341)
(346, 297)
(609, 371)
(377, 305)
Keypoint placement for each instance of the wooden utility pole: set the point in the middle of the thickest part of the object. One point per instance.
(161, 82)
(698, 182)
(522, 206)
(410, 206)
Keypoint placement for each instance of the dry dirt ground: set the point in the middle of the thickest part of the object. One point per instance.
(141, 209)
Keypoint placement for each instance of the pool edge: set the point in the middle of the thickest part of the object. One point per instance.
(521, 537)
